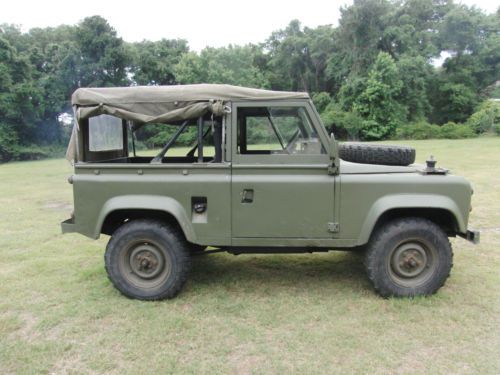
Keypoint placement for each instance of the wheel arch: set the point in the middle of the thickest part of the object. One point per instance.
(439, 209)
(119, 210)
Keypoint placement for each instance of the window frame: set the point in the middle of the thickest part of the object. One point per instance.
(100, 156)
(238, 158)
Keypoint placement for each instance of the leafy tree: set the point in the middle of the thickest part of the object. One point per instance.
(360, 33)
(298, 57)
(453, 102)
(153, 63)
(415, 73)
(231, 65)
(19, 100)
(189, 69)
(102, 56)
(378, 103)
(321, 100)
(472, 38)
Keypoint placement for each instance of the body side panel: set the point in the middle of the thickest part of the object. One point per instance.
(102, 189)
(365, 197)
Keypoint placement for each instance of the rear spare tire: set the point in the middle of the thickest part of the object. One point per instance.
(376, 154)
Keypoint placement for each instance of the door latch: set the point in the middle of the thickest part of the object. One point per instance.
(247, 196)
(333, 227)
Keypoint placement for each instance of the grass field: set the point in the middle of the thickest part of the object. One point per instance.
(248, 314)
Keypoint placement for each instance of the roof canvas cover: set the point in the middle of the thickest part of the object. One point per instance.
(163, 104)
(145, 104)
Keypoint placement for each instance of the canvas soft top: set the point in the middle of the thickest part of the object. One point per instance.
(179, 93)
(163, 104)
(144, 104)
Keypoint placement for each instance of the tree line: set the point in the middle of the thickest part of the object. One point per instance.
(371, 77)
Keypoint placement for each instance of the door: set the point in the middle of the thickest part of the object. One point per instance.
(280, 182)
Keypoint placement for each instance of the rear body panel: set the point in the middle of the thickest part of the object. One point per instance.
(98, 189)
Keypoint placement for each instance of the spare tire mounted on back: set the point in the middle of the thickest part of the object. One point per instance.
(376, 154)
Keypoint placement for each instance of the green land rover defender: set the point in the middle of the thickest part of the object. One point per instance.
(262, 176)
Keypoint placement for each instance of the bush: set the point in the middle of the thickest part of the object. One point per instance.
(496, 129)
(419, 130)
(345, 125)
(451, 130)
(424, 130)
(31, 152)
(486, 118)
(8, 143)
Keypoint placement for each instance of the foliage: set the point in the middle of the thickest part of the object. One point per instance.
(102, 56)
(378, 103)
(344, 124)
(154, 62)
(232, 65)
(486, 118)
(495, 92)
(298, 57)
(368, 76)
(454, 102)
(9, 148)
(415, 73)
(321, 100)
(424, 130)
(450, 130)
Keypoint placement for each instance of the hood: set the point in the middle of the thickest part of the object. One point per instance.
(347, 167)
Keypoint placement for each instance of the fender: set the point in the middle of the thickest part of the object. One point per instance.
(408, 201)
(147, 202)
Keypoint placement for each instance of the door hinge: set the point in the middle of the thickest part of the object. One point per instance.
(333, 227)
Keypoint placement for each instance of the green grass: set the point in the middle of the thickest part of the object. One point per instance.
(246, 314)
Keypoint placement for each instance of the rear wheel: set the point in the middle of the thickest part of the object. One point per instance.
(147, 260)
(408, 257)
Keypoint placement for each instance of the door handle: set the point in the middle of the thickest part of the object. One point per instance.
(247, 196)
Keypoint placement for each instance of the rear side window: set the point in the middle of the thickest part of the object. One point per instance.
(105, 133)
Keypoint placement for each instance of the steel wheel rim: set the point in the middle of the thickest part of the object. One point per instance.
(144, 264)
(412, 263)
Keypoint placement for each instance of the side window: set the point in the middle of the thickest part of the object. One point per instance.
(276, 130)
(105, 133)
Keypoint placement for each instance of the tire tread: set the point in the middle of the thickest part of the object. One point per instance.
(376, 154)
(378, 242)
(182, 258)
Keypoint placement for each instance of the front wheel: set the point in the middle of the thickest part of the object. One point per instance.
(408, 257)
(147, 260)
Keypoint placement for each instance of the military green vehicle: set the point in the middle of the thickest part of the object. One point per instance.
(263, 176)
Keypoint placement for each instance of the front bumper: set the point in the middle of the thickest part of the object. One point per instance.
(68, 226)
(471, 236)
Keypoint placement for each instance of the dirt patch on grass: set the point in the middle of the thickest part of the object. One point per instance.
(67, 365)
(26, 331)
(242, 362)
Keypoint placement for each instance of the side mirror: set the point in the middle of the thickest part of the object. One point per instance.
(333, 167)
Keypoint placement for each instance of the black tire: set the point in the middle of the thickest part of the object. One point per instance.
(147, 260)
(408, 257)
(376, 154)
